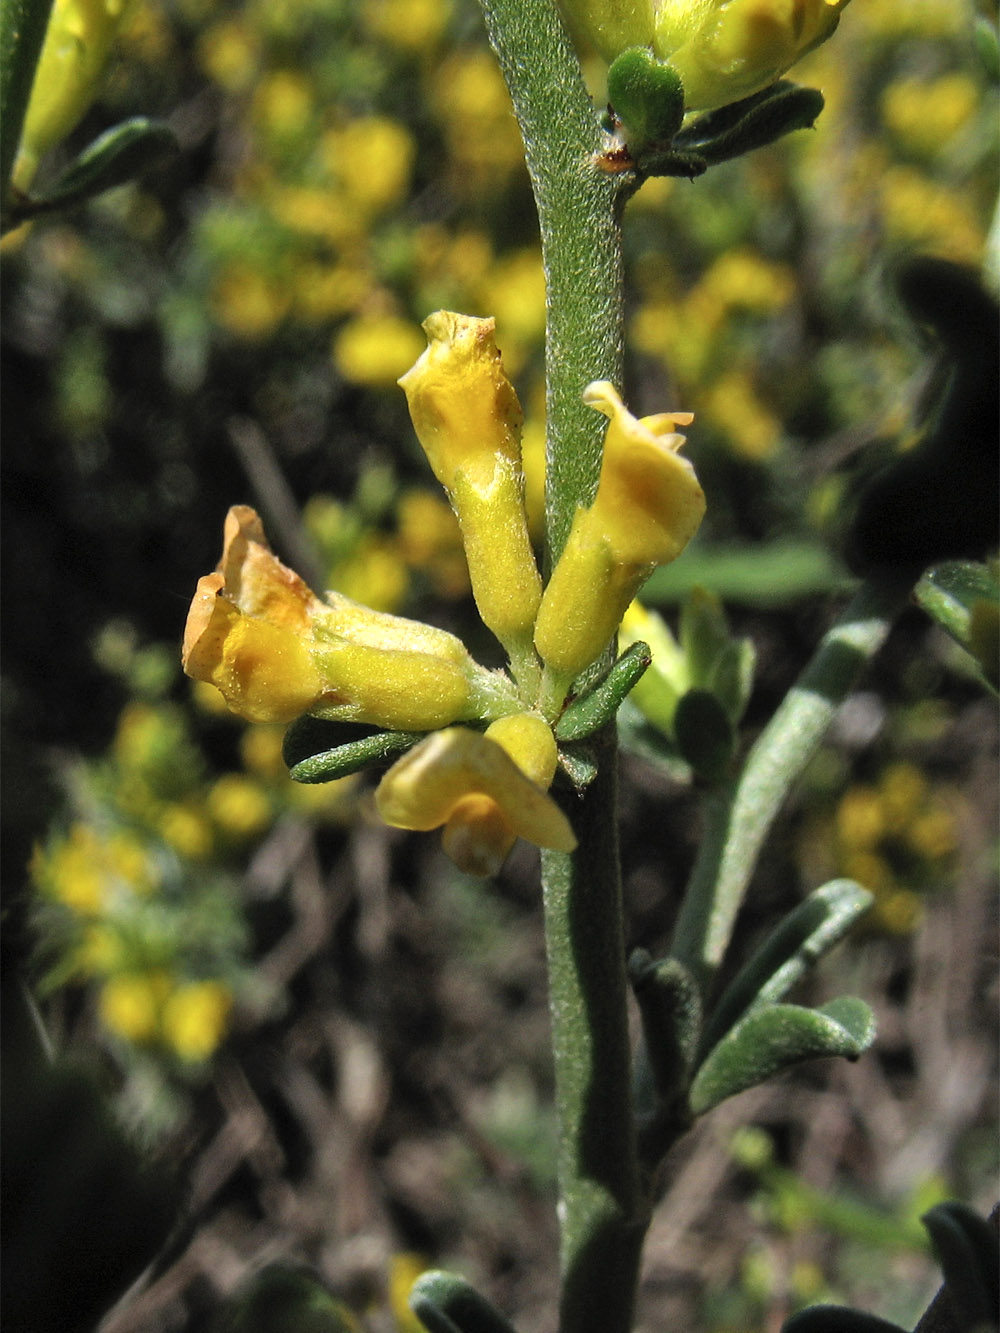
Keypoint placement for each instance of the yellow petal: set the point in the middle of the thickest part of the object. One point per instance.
(468, 420)
(276, 651)
(424, 787)
(647, 508)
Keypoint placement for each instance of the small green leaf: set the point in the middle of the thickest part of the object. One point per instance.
(966, 1247)
(704, 734)
(319, 751)
(964, 597)
(445, 1303)
(118, 155)
(579, 765)
(592, 710)
(837, 1319)
(797, 943)
(769, 1040)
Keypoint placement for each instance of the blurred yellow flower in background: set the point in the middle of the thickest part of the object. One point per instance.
(375, 349)
(194, 1018)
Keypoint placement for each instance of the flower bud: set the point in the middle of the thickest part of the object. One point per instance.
(276, 650)
(471, 785)
(647, 508)
(468, 420)
(723, 50)
(74, 53)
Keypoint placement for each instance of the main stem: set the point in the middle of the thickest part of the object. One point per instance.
(602, 1213)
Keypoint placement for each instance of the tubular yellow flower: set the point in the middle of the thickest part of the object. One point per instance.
(275, 650)
(468, 420)
(647, 508)
(75, 51)
(470, 784)
(723, 50)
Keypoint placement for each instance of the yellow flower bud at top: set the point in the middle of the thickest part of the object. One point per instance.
(647, 508)
(471, 785)
(723, 50)
(276, 650)
(468, 420)
(75, 51)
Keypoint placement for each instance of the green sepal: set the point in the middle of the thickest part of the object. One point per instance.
(769, 1040)
(704, 734)
(798, 942)
(445, 1303)
(966, 1247)
(837, 1319)
(752, 123)
(115, 157)
(594, 709)
(579, 764)
(646, 96)
(964, 597)
(319, 751)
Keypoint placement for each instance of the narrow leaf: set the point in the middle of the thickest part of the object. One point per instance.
(115, 157)
(772, 1039)
(796, 944)
(591, 711)
(445, 1303)
(788, 108)
(318, 751)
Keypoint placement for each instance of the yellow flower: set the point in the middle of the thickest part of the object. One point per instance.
(476, 788)
(723, 50)
(186, 829)
(239, 805)
(74, 54)
(229, 52)
(468, 420)
(371, 159)
(375, 349)
(647, 508)
(276, 651)
(194, 1018)
(130, 1004)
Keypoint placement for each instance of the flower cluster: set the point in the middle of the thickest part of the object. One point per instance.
(276, 650)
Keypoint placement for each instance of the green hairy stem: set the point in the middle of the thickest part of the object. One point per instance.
(602, 1213)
